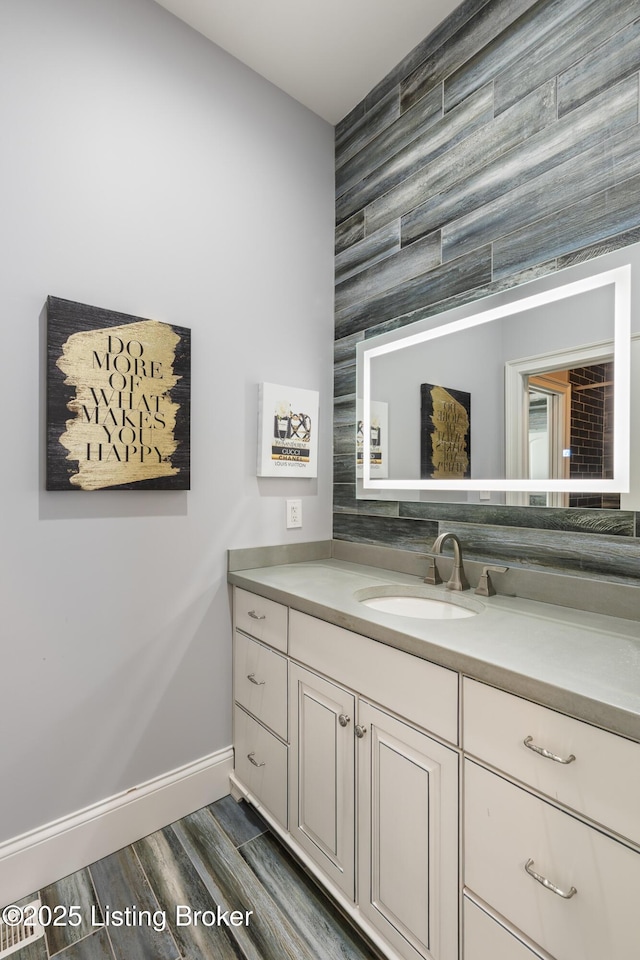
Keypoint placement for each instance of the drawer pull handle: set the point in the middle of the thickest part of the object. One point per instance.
(565, 894)
(257, 616)
(250, 758)
(343, 719)
(251, 677)
(528, 742)
(360, 731)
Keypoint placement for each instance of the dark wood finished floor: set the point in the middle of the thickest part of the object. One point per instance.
(221, 861)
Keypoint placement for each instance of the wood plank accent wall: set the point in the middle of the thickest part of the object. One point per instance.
(506, 146)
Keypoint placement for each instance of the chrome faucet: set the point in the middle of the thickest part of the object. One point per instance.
(457, 580)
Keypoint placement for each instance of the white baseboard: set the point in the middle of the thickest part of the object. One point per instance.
(53, 851)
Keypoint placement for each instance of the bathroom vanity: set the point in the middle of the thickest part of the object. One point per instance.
(466, 788)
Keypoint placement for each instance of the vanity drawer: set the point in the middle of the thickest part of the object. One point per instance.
(261, 764)
(603, 782)
(486, 939)
(416, 689)
(260, 682)
(506, 827)
(264, 619)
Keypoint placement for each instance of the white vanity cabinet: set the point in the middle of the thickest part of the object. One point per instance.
(373, 771)
(351, 748)
(535, 859)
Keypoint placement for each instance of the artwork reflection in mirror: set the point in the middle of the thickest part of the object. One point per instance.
(545, 430)
(378, 440)
(445, 433)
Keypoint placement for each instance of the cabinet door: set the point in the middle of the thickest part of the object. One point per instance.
(407, 836)
(322, 778)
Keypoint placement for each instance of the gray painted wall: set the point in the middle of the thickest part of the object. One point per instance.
(506, 146)
(144, 170)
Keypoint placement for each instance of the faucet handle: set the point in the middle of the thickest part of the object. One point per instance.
(485, 587)
(433, 575)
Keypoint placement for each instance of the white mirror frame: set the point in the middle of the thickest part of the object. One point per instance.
(620, 278)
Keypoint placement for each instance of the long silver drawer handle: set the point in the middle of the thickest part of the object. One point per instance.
(250, 757)
(257, 616)
(565, 894)
(252, 678)
(528, 742)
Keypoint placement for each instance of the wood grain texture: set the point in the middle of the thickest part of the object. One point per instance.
(619, 523)
(351, 139)
(239, 821)
(554, 53)
(344, 469)
(395, 137)
(511, 46)
(608, 558)
(477, 152)
(607, 245)
(344, 369)
(372, 282)
(414, 535)
(378, 246)
(233, 885)
(94, 947)
(532, 168)
(317, 923)
(234, 857)
(479, 204)
(344, 501)
(175, 881)
(444, 54)
(74, 890)
(465, 295)
(588, 221)
(33, 951)
(120, 884)
(612, 61)
(349, 232)
(409, 301)
(599, 168)
(399, 182)
(456, 23)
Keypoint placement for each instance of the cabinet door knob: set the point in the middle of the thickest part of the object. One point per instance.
(528, 742)
(256, 616)
(360, 731)
(251, 759)
(343, 719)
(565, 894)
(251, 677)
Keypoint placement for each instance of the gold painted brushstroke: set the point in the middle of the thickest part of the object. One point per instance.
(124, 425)
(449, 438)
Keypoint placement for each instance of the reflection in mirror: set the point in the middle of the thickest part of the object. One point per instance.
(521, 398)
(569, 430)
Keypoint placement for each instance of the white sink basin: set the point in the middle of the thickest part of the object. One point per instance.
(423, 608)
(419, 601)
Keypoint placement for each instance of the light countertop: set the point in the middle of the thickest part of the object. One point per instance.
(586, 665)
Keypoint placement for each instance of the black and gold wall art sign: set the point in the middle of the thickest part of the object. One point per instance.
(118, 400)
(445, 433)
